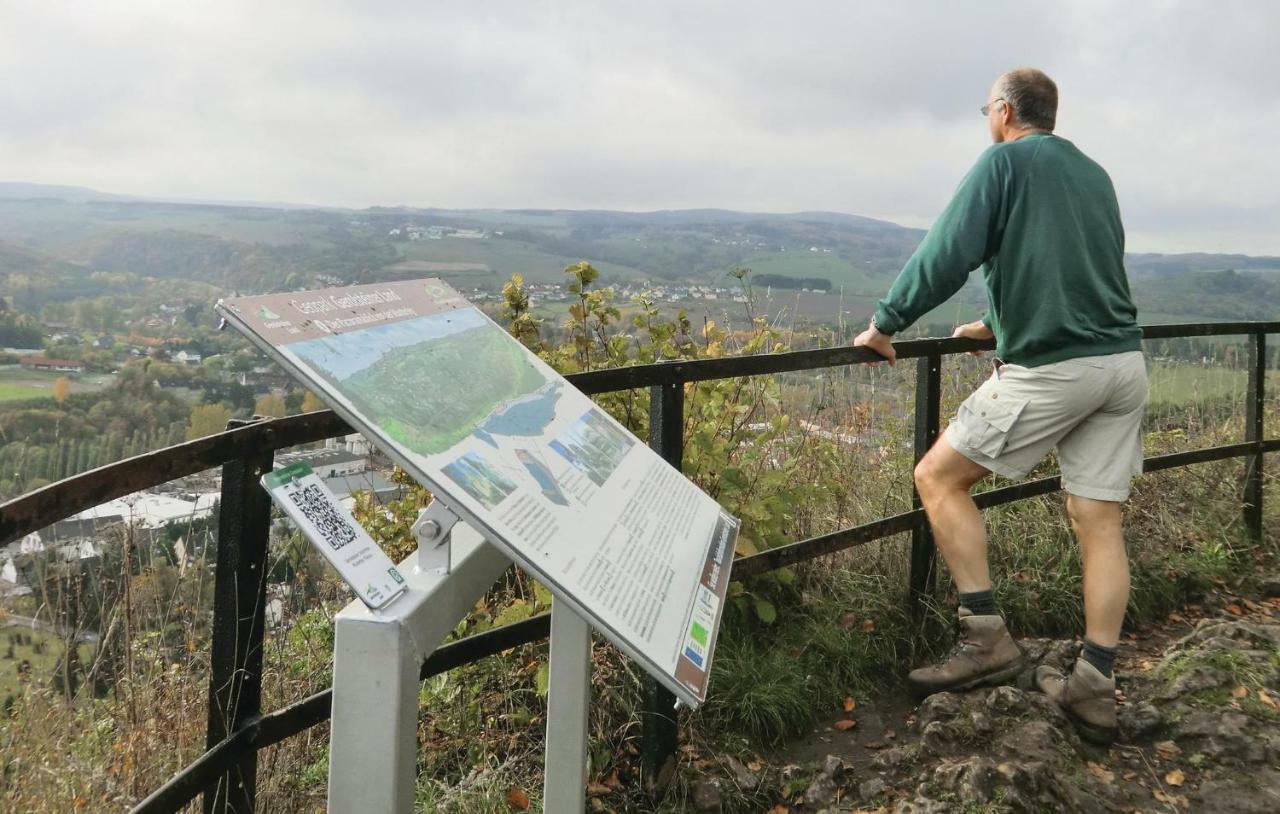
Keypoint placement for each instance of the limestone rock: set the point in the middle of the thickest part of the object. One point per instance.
(1139, 720)
(706, 795)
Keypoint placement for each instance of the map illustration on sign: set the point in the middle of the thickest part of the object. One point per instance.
(520, 454)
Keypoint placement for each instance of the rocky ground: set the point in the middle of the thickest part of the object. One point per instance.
(1200, 731)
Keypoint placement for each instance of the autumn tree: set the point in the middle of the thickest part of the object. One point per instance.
(270, 404)
(207, 419)
(311, 402)
(61, 388)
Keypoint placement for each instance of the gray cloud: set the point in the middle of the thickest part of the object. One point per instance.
(868, 108)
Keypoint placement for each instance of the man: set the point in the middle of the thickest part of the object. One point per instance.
(1042, 219)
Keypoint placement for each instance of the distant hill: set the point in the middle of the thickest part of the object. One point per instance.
(255, 248)
(18, 189)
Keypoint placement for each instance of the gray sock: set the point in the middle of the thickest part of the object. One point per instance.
(981, 603)
(1100, 657)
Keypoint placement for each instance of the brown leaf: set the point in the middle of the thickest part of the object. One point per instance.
(1265, 697)
(780, 809)
(1129, 775)
(1175, 777)
(1101, 772)
(844, 724)
(846, 621)
(598, 789)
(1167, 750)
(849, 704)
(1176, 799)
(1235, 610)
(868, 625)
(517, 799)
(754, 765)
(612, 781)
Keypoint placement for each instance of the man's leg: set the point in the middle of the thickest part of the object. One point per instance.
(943, 479)
(985, 653)
(1106, 566)
(1088, 693)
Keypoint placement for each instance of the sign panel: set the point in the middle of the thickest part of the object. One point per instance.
(519, 453)
(304, 497)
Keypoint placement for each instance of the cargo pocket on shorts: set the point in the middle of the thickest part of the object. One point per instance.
(988, 422)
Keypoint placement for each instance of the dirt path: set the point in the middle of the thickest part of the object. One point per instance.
(1200, 731)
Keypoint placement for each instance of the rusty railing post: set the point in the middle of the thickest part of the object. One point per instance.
(927, 409)
(658, 714)
(1253, 431)
(239, 601)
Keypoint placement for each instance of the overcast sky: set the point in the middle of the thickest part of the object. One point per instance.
(863, 107)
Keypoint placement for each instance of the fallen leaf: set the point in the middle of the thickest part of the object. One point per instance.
(1176, 799)
(1175, 777)
(754, 765)
(846, 621)
(844, 725)
(1235, 610)
(1265, 697)
(780, 809)
(868, 625)
(849, 704)
(1129, 775)
(1101, 772)
(598, 789)
(1168, 750)
(612, 781)
(1239, 692)
(517, 799)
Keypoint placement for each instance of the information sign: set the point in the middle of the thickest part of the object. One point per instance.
(313, 506)
(509, 445)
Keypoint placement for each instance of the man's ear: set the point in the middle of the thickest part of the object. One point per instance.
(1006, 114)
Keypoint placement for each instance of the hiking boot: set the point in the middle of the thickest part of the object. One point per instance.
(984, 654)
(1087, 696)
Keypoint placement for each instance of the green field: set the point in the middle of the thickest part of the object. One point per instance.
(20, 392)
(42, 662)
(1181, 383)
(17, 384)
(503, 258)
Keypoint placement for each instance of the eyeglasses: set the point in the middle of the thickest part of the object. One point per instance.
(987, 107)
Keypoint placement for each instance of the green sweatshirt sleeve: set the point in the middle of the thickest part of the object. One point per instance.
(965, 235)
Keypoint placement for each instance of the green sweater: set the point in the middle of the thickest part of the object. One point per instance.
(1042, 219)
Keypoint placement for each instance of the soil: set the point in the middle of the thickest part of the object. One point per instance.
(1199, 710)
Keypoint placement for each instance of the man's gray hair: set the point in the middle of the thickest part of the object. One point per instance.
(1033, 97)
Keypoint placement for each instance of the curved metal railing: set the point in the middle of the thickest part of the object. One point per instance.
(238, 729)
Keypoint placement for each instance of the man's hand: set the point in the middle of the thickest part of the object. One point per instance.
(973, 330)
(878, 342)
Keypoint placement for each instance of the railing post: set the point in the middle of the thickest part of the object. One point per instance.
(928, 405)
(1253, 431)
(239, 599)
(658, 715)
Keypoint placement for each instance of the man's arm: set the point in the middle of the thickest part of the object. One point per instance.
(966, 235)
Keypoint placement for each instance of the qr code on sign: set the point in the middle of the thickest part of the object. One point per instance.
(335, 528)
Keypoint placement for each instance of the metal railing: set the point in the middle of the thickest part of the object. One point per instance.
(237, 728)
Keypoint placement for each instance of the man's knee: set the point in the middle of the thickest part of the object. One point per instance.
(1086, 513)
(942, 469)
(923, 474)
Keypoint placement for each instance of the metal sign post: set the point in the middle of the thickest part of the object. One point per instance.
(377, 657)
(568, 698)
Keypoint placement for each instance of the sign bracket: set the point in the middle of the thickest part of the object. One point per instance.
(433, 531)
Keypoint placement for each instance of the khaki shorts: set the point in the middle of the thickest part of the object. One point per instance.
(1090, 408)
